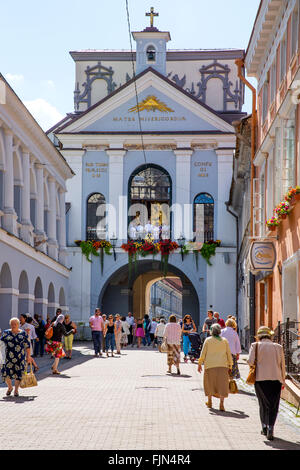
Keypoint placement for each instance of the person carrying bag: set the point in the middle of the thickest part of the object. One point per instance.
(28, 380)
(267, 368)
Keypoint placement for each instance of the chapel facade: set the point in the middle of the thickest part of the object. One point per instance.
(152, 152)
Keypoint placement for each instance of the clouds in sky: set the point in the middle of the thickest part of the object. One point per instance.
(14, 79)
(45, 113)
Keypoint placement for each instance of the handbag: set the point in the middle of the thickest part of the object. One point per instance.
(49, 333)
(164, 346)
(233, 388)
(250, 380)
(28, 380)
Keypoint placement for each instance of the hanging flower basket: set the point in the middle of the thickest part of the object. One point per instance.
(272, 223)
(282, 209)
(209, 249)
(104, 247)
(91, 247)
(166, 248)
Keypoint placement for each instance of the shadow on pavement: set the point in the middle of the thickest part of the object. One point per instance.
(229, 414)
(19, 399)
(282, 444)
(243, 392)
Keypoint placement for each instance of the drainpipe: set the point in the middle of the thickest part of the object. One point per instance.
(241, 65)
(236, 264)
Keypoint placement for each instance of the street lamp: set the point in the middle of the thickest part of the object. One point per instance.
(181, 243)
(113, 241)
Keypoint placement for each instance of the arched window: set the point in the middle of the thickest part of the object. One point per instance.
(151, 53)
(203, 226)
(149, 198)
(96, 217)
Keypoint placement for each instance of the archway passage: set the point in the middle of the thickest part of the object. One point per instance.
(119, 295)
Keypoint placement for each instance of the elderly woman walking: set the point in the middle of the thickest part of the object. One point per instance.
(17, 348)
(172, 335)
(229, 332)
(217, 359)
(54, 345)
(269, 377)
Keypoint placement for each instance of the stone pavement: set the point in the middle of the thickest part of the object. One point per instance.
(129, 402)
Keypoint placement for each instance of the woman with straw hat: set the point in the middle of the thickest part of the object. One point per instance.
(269, 377)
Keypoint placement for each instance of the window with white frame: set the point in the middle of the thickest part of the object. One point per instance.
(259, 202)
(282, 58)
(265, 101)
(277, 166)
(284, 157)
(295, 23)
(273, 82)
(262, 204)
(288, 157)
(270, 185)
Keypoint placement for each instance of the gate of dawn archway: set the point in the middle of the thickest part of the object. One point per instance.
(119, 295)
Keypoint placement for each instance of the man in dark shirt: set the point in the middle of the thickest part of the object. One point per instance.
(219, 320)
(209, 320)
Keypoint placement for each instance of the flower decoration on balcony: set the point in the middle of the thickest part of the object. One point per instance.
(166, 248)
(103, 246)
(272, 223)
(282, 209)
(146, 248)
(91, 247)
(205, 249)
(293, 195)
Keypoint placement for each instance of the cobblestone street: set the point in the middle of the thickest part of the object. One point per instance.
(129, 402)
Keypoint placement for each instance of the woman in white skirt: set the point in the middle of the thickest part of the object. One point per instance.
(125, 332)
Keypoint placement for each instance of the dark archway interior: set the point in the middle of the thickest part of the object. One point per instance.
(117, 294)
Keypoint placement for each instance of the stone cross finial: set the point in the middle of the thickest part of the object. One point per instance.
(151, 14)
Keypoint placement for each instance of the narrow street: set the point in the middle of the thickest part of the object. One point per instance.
(129, 402)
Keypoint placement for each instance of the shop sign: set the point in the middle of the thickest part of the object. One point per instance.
(262, 256)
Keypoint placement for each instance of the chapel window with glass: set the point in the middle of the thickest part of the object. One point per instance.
(149, 202)
(96, 217)
(203, 220)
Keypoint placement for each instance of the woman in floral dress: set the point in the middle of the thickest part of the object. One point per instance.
(17, 348)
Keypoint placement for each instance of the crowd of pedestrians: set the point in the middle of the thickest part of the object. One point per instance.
(29, 337)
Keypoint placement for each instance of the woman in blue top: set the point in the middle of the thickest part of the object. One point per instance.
(188, 326)
(17, 349)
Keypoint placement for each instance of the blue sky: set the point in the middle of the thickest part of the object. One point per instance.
(36, 39)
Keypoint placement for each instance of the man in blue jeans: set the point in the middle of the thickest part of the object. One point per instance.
(97, 327)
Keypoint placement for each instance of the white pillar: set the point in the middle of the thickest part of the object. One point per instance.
(40, 199)
(62, 228)
(10, 216)
(26, 229)
(115, 178)
(183, 221)
(52, 241)
(77, 226)
(226, 225)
